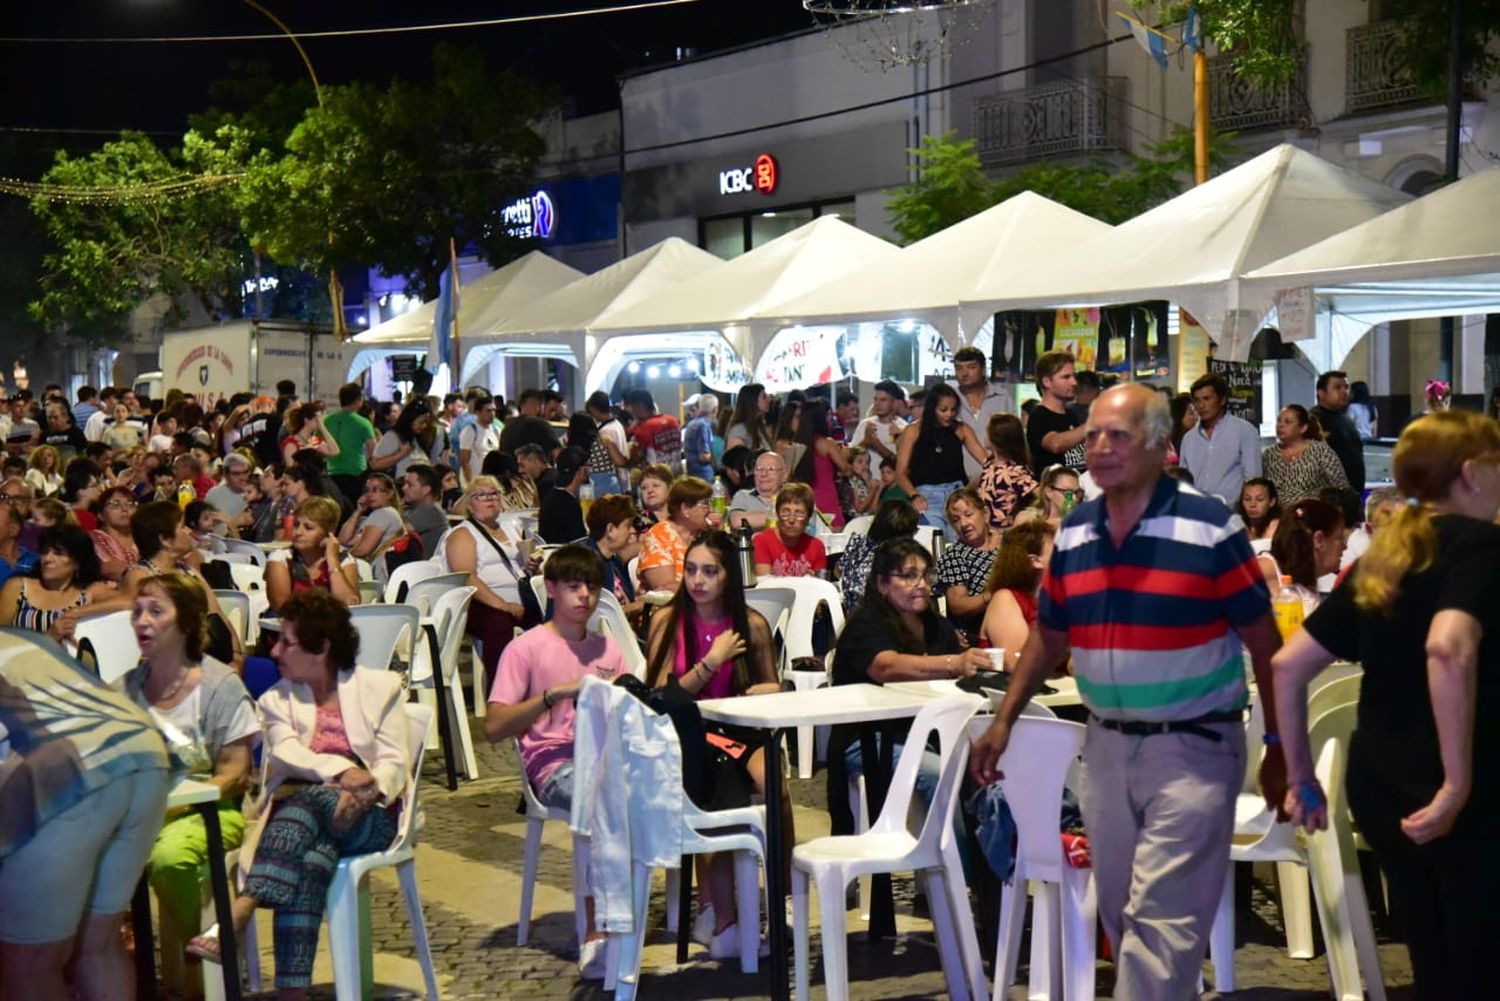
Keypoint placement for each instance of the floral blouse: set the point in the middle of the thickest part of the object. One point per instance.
(1003, 485)
(662, 546)
(1298, 479)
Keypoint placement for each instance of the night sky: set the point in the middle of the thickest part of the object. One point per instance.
(154, 86)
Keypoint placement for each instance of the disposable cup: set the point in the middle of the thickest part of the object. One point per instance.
(997, 658)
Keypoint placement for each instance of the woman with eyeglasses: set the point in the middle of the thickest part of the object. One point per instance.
(894, 634)
(786, 549)
(664, 546)
(715, 646)
(112, 539)
(376, 521)
(479, 547)
(1059, 493)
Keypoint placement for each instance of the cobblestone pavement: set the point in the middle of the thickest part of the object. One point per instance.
(469, 869)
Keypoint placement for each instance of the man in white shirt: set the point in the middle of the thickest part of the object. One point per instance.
(878, 432)
(478, 439)
(228, 496)
(94, 427)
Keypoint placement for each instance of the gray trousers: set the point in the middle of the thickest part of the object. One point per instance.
(1159, 811)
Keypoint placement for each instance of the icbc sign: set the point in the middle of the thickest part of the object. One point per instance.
(762, 176)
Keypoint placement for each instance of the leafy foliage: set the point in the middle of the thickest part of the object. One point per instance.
(953, 185)
(1424, 41)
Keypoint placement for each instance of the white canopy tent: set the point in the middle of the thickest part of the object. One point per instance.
(728, 300)
(481, 303)
(1194, 249)
(560, 324)
(926, 281)
(1436, 256)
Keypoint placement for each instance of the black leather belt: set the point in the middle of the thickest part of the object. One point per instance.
(1197, 726)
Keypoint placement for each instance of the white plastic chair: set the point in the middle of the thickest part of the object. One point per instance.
(106, 644)
(809, 592)
(348, 898)
(832, 862)
(1035, 765)
(447, 619)
(860, 525)
(406, 575)
(236, 608)
(537, 816)
(424, 593)
(774, 605)
(256, 554)
(382, 629)
(610, 618)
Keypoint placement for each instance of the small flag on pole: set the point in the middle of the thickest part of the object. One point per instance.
(1154, 42)
(445, 319)
(1192, 30)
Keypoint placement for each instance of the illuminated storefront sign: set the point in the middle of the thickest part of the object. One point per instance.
(762, 177)
(530, 218)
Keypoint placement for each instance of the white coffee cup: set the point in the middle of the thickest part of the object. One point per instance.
(997, 658)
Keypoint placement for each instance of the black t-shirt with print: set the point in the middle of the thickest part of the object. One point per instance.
(1039, 425)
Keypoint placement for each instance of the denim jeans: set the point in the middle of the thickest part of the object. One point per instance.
(937, 500)
(606, 483)
(557, 790)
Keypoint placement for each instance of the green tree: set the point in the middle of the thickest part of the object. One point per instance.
(108, 257)
(388, 177)
(953, 185)
(1265, 37)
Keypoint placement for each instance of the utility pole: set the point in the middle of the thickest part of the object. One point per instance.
(1447, 326)
(1193, 33)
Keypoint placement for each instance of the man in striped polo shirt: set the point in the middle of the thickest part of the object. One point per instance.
(1154, 590)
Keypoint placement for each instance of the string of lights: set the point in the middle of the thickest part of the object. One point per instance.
(112, 194)
(405, 29)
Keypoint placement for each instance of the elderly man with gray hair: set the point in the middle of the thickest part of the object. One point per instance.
(228, 496)
(1153, 588)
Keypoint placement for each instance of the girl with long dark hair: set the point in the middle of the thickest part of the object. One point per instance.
(821, 458)
(929, 456)
(746, 424)
(415, 437)
(714, 646)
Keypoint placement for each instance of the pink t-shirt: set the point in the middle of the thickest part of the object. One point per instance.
(721, 685)
(540, 659)
(802, 558)
(329, 735)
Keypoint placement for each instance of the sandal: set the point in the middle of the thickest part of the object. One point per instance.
(206, 946)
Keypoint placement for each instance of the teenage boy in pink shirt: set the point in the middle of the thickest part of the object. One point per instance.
(532, 699)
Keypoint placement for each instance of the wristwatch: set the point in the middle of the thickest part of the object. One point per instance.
(547, 698)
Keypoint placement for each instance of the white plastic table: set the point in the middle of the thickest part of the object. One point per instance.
(786, 710)
(203, 797)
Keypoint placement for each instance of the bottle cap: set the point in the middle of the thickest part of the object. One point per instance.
(1286, 580)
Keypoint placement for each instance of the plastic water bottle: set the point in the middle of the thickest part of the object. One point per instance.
(185, 495)
(719, 499)
(1287, 606)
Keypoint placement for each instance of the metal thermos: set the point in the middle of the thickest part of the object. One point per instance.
(747, 556)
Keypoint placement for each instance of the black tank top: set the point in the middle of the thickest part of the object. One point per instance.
(938, 458)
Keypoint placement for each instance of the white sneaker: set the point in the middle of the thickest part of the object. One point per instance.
(726, 944)
(592, 956)
(703, 926)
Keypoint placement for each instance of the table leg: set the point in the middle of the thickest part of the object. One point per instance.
(685, 908)
(229, 948)
(445, 724)
(878, 766)
(776, 876)
(145, 945)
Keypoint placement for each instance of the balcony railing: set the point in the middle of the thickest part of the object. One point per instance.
(1054, 119)
(1237, 104)
(1375, 75)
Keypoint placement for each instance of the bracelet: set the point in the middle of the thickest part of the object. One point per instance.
(1271, 739)
(547, 698)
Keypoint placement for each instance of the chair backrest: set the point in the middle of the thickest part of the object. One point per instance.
(1035, 764)
(450, 612)
(925, 535)
(860, 525)
(256, 554)
(1331, 694)
(404, 576)
(1328, 741)
(810, 593)
(425, 593)
(107, 645)
(369, 592)
(1031, 710)
(236, 608)
(381, 629)
(609, 618)
(418, 723)
(363, 569)
(248, 576)
(773, 603)
(228, 558)
(947, 717)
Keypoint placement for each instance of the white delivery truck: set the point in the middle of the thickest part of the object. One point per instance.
(216, 362)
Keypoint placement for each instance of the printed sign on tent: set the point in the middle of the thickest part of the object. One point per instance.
(800, 357)
(1077, 333)
(1192, 351)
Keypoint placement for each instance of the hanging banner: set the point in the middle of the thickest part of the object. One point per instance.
(1294, 314)
(1077, 333)
(799, 357)
(1192, 351)
(723, 369)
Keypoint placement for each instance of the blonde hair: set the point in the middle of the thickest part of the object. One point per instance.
(1428, 458)
(321, 511)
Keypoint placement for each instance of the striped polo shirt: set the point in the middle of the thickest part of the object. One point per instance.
(1152, 623)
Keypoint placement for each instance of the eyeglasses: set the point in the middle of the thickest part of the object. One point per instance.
(122, 505)
(792, 514)
(911, 578)
(485, 495)
(15, 498)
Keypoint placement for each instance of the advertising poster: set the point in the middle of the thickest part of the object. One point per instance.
(1192, 351)
(1077, 332)
(1244, 380)
(1020, 336)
